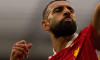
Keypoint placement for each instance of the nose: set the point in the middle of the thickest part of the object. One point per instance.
(66, 11)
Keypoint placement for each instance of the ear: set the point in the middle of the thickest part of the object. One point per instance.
(45, 25)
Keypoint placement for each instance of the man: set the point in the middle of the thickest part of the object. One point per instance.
(60, 21)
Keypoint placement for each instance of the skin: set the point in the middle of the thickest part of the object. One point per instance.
(20, 50)
(96, 19)
(54, 17)
(96, 22)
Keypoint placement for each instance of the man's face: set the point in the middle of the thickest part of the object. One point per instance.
(61, 18)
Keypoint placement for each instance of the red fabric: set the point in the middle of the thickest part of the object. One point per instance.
(82, 48)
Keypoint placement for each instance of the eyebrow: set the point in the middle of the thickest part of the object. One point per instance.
(62, 6)
(57, 8)
(70, 8)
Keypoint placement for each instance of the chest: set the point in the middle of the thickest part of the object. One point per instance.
(88, 51)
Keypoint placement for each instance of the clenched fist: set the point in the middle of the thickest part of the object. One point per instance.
(20, 50)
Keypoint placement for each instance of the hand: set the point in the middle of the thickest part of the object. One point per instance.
(20, 50)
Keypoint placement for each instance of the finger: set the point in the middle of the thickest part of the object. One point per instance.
(29, 46)
(17, 53)
(22, 50)
(21, 42)
(22, 46)
(21, 57)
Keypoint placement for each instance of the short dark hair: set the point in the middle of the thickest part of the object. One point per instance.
(44, 12)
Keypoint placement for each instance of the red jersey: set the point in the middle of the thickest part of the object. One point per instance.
(82, 48)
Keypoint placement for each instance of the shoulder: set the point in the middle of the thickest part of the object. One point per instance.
(85, 30)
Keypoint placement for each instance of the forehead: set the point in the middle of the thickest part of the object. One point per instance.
(58, 3)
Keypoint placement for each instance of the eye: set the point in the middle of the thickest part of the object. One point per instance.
(71, 9)
(58, 9)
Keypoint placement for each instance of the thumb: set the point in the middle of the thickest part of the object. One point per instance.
(29, 46)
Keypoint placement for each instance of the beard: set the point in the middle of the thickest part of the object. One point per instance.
(63, 28)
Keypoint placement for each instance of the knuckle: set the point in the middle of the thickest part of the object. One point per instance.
(13, 50)
(17, 42)
(23, 41)
(22, 49)
(23, 45)
(19, 53)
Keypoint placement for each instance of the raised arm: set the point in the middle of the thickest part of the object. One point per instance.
(96, 19)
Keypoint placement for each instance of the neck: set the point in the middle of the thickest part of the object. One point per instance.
(59, 43)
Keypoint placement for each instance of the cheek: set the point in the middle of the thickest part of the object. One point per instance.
(58, 17)
(74, 17)
(54, 18)
(53, 21)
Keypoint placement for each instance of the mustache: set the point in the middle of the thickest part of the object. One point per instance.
(67, 16)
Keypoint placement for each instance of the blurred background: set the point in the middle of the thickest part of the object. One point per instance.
(21, 20)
